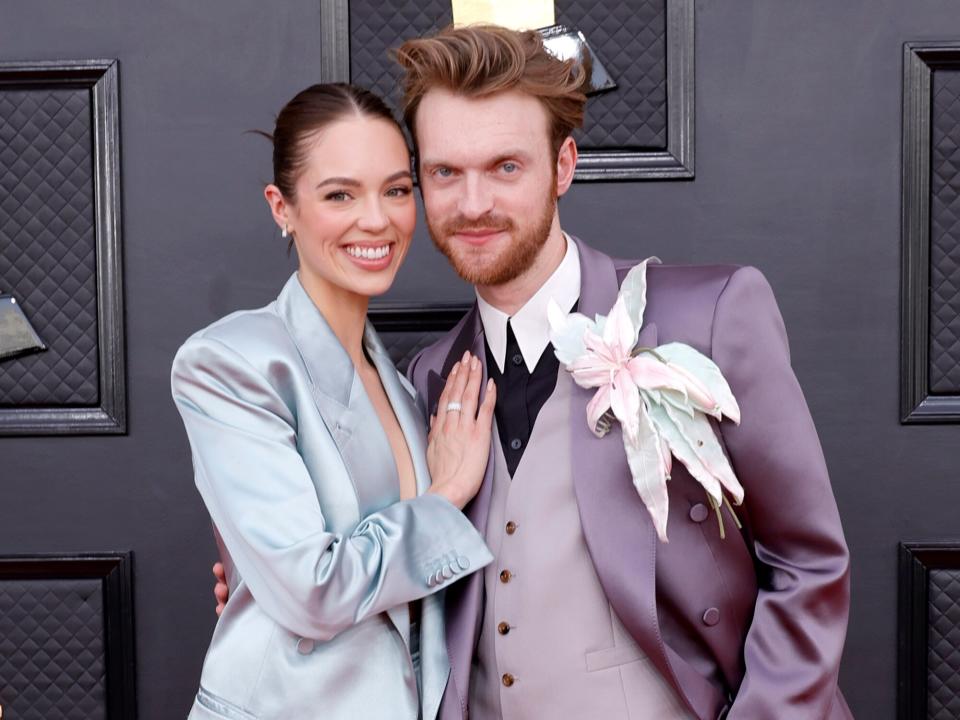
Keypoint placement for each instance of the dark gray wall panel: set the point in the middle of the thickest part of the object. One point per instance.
(945, 232)
(48, 244)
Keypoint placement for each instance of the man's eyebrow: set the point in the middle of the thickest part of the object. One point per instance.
(510, 155)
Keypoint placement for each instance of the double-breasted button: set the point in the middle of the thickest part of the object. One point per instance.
(503, 628)
(305, 646)
(511, 527)
(508, 679)
(699, 513)
(711, 617)
(505, 576)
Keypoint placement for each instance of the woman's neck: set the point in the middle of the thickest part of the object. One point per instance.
(344, 311)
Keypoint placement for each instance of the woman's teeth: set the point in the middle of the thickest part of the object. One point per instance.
(368, 253)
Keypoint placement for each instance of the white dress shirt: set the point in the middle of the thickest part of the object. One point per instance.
(529, 323)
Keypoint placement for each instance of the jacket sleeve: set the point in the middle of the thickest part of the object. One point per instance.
(793, 648)
(262, 499)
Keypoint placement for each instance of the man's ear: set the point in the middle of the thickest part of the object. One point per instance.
(566, 164)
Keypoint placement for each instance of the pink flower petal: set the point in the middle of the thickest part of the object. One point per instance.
(598, 405)
(625, 402)
(618, 332)
(648, 372)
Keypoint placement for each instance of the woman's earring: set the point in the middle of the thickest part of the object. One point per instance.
(284, 232)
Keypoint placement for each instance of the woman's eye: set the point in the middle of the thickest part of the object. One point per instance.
(338, 196)
(400, 191)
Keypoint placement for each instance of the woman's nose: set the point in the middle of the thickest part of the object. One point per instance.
(373, 218)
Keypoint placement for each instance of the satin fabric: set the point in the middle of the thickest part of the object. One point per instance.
(322, 558)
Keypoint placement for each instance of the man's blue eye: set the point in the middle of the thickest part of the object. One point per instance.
(509, 167)
(442, 172)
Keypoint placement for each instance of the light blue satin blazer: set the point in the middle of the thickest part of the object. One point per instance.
(321, 556)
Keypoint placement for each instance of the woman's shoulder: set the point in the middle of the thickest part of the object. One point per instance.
(253, 337)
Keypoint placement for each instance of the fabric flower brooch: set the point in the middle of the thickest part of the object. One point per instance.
(663, 398)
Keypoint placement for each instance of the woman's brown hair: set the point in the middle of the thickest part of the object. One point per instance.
(479, 60)
(309, 112)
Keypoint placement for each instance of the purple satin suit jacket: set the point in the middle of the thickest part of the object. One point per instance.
(750, 627)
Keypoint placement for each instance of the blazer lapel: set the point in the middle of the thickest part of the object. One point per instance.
(330, 369)
(464, 599)
(619, 533)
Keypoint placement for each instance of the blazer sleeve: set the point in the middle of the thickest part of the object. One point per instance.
(793, 648)
(262, 499)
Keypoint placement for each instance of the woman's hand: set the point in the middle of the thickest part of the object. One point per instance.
(459, 442)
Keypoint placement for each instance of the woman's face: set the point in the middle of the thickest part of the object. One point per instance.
(354, 211)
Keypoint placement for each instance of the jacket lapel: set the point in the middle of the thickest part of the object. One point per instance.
(330, 369)
(464, 600)
(619, 533)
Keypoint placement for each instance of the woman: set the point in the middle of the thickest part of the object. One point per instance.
(332, 513)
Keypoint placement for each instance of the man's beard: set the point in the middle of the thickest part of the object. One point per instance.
(511, 262)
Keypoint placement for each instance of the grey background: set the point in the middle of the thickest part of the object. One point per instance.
(798, 172)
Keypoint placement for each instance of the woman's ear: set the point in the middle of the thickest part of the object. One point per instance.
(278, 206)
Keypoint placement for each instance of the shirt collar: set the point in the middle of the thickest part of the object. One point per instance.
(529, 323)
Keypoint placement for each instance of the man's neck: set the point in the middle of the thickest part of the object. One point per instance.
(510, 296)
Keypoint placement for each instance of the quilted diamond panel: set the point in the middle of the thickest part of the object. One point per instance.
(52, 660)
(628, 36)
(943, 652)
(945, 233)
(48, 243)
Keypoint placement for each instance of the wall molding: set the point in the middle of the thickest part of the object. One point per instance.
(115, 571)
(101, 78)
(917, 403)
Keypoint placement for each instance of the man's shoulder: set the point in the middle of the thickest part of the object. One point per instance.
(679, 276)
(432, 356)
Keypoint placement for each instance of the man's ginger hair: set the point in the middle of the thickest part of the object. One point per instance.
(481, 60)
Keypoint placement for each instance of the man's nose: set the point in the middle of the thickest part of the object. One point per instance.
(373, 217)
(476, 200)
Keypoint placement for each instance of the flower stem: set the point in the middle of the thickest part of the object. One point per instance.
(726, 501)
(716, 508)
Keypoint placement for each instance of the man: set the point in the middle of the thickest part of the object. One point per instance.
(585, 614)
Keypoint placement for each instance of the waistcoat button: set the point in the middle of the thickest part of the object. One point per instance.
(699, 512)
(508, 679)
(516, 444)
(505, 576)
(711, 617)
(511, 527)
(503, 628)
(517, 359)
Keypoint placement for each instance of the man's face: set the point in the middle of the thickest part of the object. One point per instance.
(489, 181)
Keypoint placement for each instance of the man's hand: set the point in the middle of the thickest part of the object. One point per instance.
(220, 591)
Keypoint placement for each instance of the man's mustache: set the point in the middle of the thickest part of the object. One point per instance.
(497, 223)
